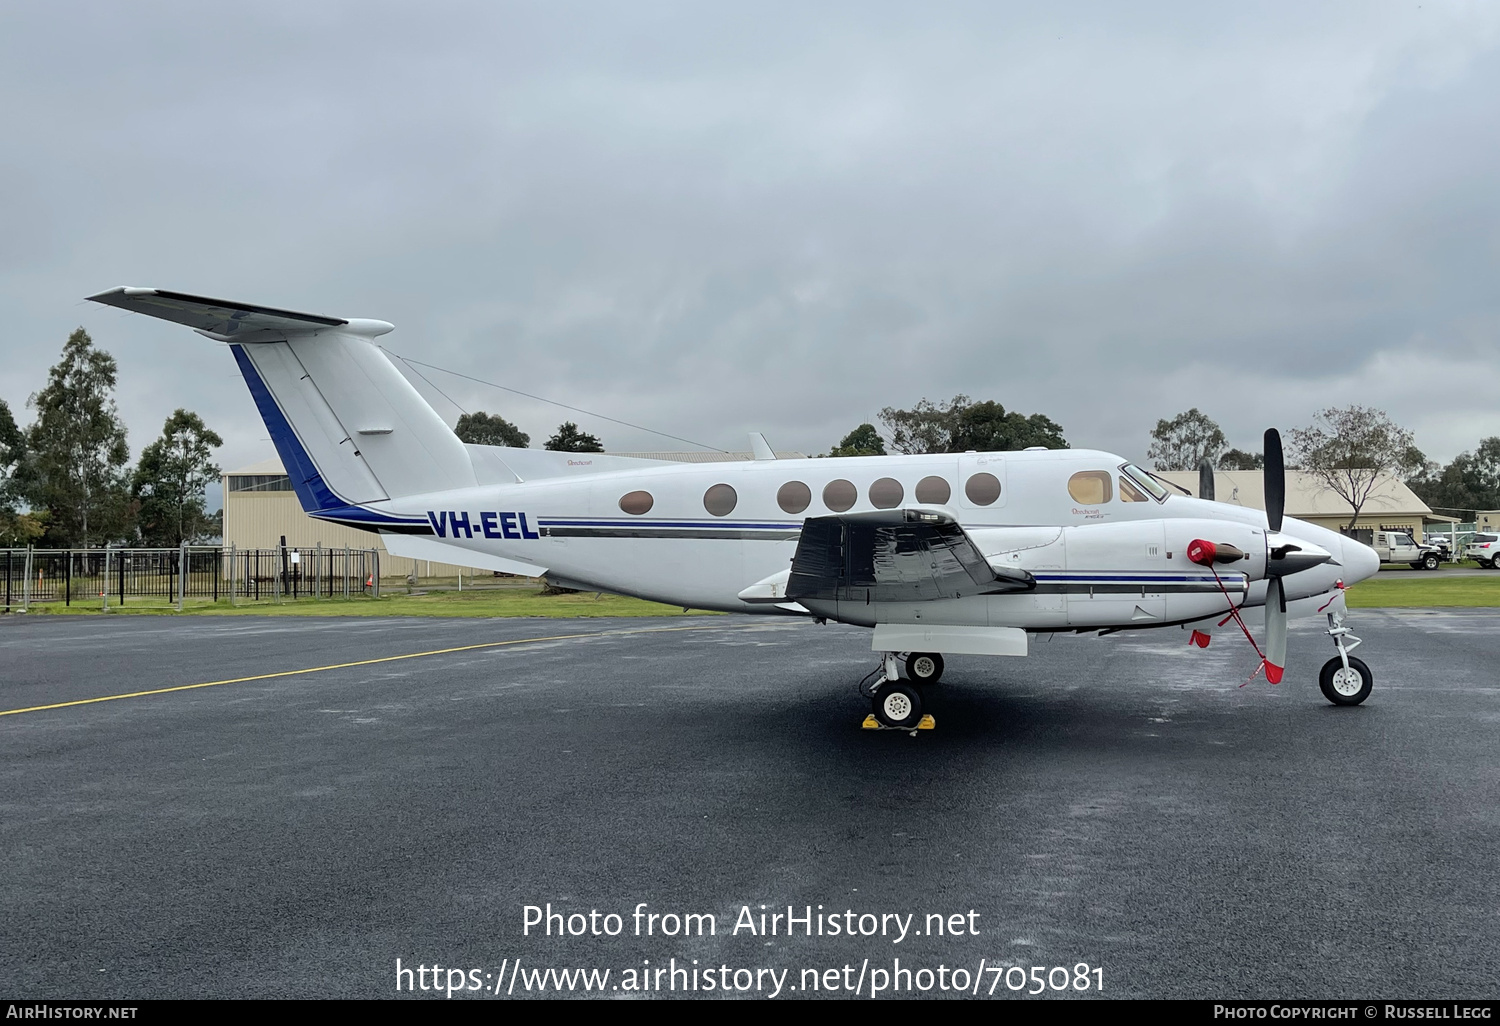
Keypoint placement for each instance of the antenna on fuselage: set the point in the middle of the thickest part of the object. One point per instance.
(760, 447)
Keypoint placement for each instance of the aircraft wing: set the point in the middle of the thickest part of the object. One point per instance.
(223, 319)
(903, 555)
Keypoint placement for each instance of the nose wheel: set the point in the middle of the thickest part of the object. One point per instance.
(1346, 685)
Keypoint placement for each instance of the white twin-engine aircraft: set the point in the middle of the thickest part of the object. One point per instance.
(939, 553)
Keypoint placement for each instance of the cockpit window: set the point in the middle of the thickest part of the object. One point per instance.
(1146, 481)
(1129, 492)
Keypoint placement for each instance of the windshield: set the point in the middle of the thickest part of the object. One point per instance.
(1145, 480)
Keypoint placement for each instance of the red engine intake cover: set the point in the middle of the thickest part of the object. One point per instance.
(1202, 552)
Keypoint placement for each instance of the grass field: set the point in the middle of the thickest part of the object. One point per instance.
(1392, 589)
(477, 602)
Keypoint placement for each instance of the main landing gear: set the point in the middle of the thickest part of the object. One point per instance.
(1344, 680)
(924, 667)
(896, 704)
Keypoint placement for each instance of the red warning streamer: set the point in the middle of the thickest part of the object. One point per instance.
(1203, 552)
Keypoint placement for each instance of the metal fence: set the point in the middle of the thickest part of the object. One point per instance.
(115, 577)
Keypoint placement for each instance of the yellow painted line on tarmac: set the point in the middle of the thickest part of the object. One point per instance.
(360, 662)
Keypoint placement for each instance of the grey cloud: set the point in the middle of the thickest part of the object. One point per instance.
(714, 220)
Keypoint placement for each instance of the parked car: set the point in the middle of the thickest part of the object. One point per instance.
(1483, 548)
(1443, 544)
(1401, 547)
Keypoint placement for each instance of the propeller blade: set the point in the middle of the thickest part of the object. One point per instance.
(1275, 630)
(1275, 479)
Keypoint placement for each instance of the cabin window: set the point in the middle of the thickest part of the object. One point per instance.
(793, 497)
(839, 495)
(636, 503)
(1129, 492)
(720, 500)
(886, 493)
(982, 489)
(934, 490)
(1091, 487)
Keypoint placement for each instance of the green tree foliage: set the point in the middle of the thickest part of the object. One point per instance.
(862, 441)
(482, 428)
(169, 481)
(960, 425)
(1185, 441)
(1470, 482)
(16, 528)
(1239, 459)
(76, 450)
(1350, 448)
(570, 439)
(986, 427)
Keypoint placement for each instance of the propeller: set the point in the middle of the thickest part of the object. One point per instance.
(1275, 630)
(1275, 479)
(1275, 488)
(1285, 555)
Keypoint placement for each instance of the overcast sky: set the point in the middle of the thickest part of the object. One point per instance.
(712, 218)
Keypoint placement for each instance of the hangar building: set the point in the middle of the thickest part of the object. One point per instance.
(1391, 506)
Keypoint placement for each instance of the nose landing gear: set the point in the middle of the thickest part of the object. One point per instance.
(1344, 680)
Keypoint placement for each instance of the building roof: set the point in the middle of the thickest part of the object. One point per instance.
(270, 466)
(1306, 494)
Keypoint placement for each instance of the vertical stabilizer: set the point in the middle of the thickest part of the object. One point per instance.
(349, 427)
(350, 414)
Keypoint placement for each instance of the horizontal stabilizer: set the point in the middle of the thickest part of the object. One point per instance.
(229, 321)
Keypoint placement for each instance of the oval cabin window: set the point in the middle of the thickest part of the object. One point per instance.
(982, 489)
(794, 497)
(839, 495)
(720, 499)
(934, 490)
(636, 503)
(886, 493)
(1091, 487)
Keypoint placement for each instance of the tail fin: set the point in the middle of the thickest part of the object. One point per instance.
(349, 427)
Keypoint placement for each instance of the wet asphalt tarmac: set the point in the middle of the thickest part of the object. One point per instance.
(1113, 801)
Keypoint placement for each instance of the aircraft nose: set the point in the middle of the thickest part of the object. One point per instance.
(1360, 561)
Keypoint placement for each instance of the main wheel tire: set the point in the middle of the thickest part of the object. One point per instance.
(924, 667)
(1346, 687)
(1430, 561)
(897, 704)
